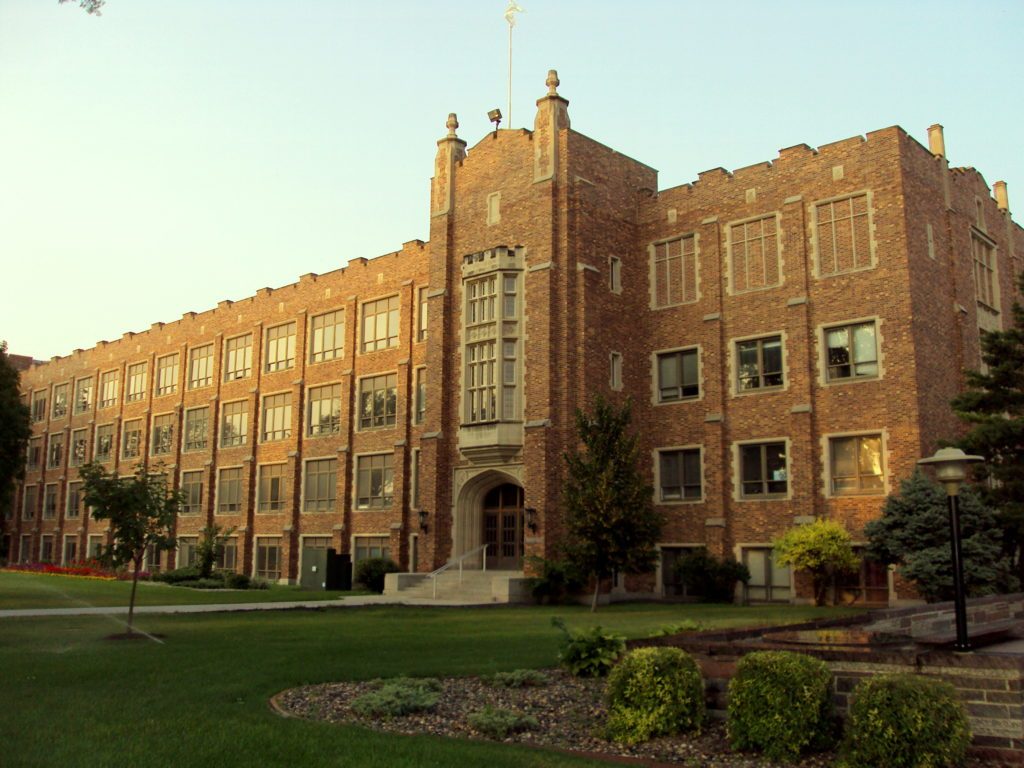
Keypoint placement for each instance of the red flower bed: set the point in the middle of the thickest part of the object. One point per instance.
(90, 569)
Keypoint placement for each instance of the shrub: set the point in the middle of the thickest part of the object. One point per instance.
(237, 581)
(558, 581)
(520, 678)
(588, 652)
(686, 625)
(499, 723)
(370, 572)
(211, 583)
(905, 721)
(257, 583)
(178, 575)
(711, 579)
(780, 703)
(399, 696)
(822, 548)
(654, 692)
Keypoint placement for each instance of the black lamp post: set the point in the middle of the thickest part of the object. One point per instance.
(950, 470)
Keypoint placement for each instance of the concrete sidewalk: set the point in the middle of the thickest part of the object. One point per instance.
(344, 602)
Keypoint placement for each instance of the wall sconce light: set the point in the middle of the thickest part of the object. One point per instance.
(531, 519)
(423, 520)
(495, 117)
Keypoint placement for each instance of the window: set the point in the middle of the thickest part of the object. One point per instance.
(95, 546)
(754, 254)
(615, 274)
(46, 549)
(229, 490)
(197, 428)
(327, 336)
(675, 271)
(39, 406)
(238, 357)
(167, 374)
(851, 351)
(55, 451)
(104, 442)
(271, 496)
(163, 434)
(679, 475)
(843, 235)
(192, 489)
(234, 425)
(371, 546)
(131, 444)
(492, 350)
(200, 367)
(983, 252)
(855, 465)
(34, 452)
(420, 406)
(763, 471)
(323, 415)
(768, 581)
(108, 389)
(868, 584)
(277, 417)
(320, 485)
(280, 347)
(421, 313)
(28, 511)
(374, 481)
(83, 395)
(378, 401)
(187, 550)
(615, 370)
(60, 401)
(50, 501)
(70, 550)
(415, 478)
(136, 389)
(677, 376)
(79, 447)
(25, 549)
(227, 559)
(380, 324)
(268, 558)
(73, 505)
(759, 363)
(152, 563)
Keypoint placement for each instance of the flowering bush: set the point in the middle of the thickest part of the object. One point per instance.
(89, 569)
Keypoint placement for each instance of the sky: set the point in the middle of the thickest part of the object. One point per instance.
(169, 155)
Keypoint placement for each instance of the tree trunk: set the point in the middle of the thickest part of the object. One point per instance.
(597, 588)
(135, 583)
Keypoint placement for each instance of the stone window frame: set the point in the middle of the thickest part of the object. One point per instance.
(730, 256)
(186, 484)
(185, 550)
(740, 551)
(25, 551)
(46, 542)
(277, 343)
(305, 500)
(224, 563)
(337, 351)
(135, 381)
(168, 416)
(76, 458)
(812, 217)
(658, 497)
(656, 355)
(69, 538)
(94, 545)
(140, 445)
(615, 371)
(219, 487)
(104, 457)
(387, 502)
(360, 394)
(385, 551)
(422, 312)
(109, 380)
(736, 455)
(275, 504)
(73, 491)
(314, 429)
(188, 445)
(259, 542)
(821, 341)
(243, 437)
(615, 274)
(167, 384)
(55, 450)
(286, 416)
(201, 357)
(79, 407)
(733, 363)
(38, 406)
(30, 493)
(233, 349)
(389, 341)
(985, 274)
(652, 249)
(34, 455)
(59, 405)
(51, 501)
(826, 441)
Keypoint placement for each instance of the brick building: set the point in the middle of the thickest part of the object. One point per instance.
(790, 334)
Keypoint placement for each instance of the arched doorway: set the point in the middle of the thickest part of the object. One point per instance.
(503, 527)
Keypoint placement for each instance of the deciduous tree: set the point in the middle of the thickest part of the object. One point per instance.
(14, 429)
(822, 548)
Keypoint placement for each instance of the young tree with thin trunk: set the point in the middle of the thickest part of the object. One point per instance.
(612, 524)
(141, 509)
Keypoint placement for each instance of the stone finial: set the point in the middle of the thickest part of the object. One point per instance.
(552, 82)
(1002, 198)
(936, 140)
(451, 125)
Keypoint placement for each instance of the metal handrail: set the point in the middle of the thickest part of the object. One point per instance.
(458, 561)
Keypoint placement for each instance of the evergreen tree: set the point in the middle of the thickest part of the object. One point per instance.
(14, 429)
(914, 534)
(994, 405)
(612, 524)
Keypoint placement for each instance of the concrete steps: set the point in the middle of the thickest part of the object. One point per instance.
(473, 588)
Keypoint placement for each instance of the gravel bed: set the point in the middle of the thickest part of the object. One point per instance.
(569, 712)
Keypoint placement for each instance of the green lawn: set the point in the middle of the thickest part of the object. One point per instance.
(72, 697)
(29, 590)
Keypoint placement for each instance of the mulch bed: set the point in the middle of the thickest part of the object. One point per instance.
(569, 712)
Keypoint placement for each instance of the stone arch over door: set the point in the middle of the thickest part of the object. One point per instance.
(471, 486)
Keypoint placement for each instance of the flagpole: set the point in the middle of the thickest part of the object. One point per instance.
(509, 75)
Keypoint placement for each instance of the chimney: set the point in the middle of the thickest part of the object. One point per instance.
(936, 141)
(1002, 201)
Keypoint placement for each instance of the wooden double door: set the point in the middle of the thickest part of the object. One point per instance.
(503, 527)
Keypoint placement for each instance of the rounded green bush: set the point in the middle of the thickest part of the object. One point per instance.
(654, 692)
(905, 721)
(370, 572)
(780, 703)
